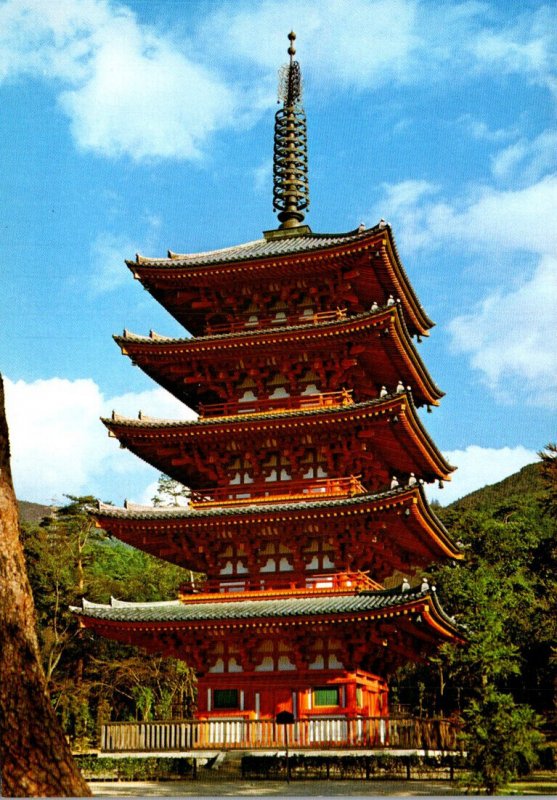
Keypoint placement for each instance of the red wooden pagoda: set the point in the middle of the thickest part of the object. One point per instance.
(305, 464)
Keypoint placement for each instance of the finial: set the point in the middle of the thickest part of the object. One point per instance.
(290, 181)
(292, 49)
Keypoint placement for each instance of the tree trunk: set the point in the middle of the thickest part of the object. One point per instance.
(36, 759)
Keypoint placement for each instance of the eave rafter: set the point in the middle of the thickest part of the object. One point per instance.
(178, 281)
(412, 627)
(190, 537)
(376, 439)
(376, 345)
(381, 436)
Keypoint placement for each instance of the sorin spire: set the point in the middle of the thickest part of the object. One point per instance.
(290, 163)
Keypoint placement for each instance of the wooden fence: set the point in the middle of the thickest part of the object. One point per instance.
(401, 733)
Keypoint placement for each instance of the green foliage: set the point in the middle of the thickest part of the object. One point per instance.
(135, 769)
(549, 474)
(501, 741)
(170, 492)
(504, 597)
(92, 680)
(59, 551)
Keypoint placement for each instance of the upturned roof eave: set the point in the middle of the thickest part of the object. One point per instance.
(239, 254)
(247, 251)
(365, 606)
(383, 502)
(192, 345)
(417, 307)
(393, 404)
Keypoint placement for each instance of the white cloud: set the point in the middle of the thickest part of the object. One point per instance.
(479, 467)
(511, 220)
(130, 89)
(353, 47)
(60, 447)
(340, 45)
(108, 271)
(154, 402)
(527, 160)
(518, 364)
(144, 99)
(527, 45)
(478, 129)
(510, 338)
(127, 89)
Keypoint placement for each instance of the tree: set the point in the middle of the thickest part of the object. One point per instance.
(170, 492)
(503, 594)
(57, 552)
(549, 472)
(91, 679)
(36, 759)
(501, 741)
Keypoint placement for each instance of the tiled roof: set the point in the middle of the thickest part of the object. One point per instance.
(239, 422)
(393, 499)
(261, 248)
(146, 422)
(316, 327)
(185, 512)
(209, 422)
(176, 611)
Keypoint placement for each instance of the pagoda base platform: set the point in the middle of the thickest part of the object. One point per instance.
(306, 694)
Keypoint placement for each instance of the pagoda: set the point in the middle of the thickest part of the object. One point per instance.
(306, 465)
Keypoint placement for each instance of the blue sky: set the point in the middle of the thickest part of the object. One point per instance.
(147, 125)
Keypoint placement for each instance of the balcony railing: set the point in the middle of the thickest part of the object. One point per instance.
(253, 322)
(394, 733)
(277, 491)
(277, 404)
(282, 583)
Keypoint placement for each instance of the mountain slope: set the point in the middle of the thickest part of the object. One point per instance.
(528, 481)
(31, 513)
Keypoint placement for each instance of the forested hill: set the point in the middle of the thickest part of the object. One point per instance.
(31, 513)
(527, 482)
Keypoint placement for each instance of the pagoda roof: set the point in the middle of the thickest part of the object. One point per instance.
(269, 258)
(225, 612)
(157, 522)
(146, 436)
(284, 243)
(178, 352)
(270, 420)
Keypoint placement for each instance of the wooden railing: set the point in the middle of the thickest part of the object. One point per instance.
(398, 733)
(254, 322)
(265, 405)
(282, 583)
(242, 493)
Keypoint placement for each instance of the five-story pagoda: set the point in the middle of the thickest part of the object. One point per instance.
(305, 464)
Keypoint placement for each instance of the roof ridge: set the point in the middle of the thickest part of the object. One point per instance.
(271, 244)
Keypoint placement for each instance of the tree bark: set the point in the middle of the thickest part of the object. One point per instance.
(36, 759)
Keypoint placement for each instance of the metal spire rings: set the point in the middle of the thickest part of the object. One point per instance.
(290, 167)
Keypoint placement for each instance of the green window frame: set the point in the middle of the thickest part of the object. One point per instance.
(326, 696)
(226, 699)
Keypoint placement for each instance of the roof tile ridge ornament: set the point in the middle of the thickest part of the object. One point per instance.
(290, 169)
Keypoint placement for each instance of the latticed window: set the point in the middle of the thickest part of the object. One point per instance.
(226, 698)
(240, 471)
(314, 464)
(277, 468)
(325, 696)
